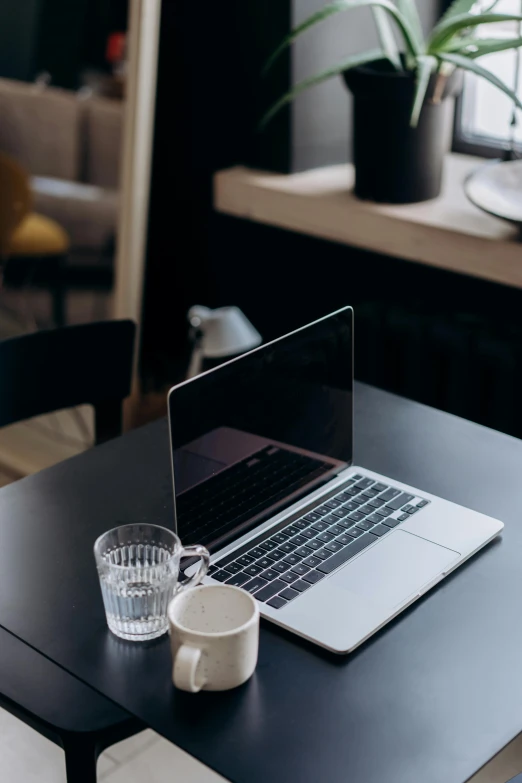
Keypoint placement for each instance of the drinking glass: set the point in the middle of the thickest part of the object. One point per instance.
(138, 567)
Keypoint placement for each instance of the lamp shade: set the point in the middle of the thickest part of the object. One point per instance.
(223, 332)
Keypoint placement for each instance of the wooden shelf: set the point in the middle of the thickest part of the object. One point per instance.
(448, 232)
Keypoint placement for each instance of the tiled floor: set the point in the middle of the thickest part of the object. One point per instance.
(28, 757)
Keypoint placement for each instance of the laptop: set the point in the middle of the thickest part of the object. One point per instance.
(263, 476)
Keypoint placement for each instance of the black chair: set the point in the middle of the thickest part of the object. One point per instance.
(61, 368)
(39, 373)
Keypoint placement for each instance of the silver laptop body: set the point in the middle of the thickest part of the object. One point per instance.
(262, 453)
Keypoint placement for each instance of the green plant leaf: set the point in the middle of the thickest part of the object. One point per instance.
(490, 45)
(470, 65)
(386, 37)
(459, 7)
(425, 65)
(351, 62)
(409, 11)
(445, 30)
(345, 5)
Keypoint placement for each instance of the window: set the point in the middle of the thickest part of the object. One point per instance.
(483, 113)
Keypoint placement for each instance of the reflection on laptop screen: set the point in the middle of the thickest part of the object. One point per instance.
(256, 434)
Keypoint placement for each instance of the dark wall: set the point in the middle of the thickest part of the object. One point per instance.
(19, 20)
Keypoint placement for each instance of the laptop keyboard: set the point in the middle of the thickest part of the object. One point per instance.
(278, 566)
(224, 501)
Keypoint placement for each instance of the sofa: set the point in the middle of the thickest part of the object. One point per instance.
(70, 144)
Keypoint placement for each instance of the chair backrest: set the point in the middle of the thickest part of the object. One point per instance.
(61, 368)
(15, 199)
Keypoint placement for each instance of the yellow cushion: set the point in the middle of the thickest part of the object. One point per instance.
(38, 235)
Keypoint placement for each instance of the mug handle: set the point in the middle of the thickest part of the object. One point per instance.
(195, 551)
(184, 669)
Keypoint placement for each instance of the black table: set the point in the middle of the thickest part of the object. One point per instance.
(430, 698)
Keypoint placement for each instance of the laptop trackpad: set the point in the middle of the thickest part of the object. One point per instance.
(395, 569)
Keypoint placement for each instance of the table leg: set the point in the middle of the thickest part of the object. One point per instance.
(80, 759)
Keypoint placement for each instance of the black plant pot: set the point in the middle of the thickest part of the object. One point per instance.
(395, 163)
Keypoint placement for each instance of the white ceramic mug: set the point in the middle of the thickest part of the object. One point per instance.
(214, 634)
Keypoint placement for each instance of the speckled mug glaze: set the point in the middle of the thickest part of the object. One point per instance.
(214, 636)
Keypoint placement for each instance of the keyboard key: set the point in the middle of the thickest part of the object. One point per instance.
(280, 538)
(344, 496)
(346, 554)
(390, 494)
(352, 491)
(238, 579)
(313, 577)
(422, 503)
(314, 544)
(382, 512)
(289, 577)
(301, 586)
(313, 516)
(233, 568)
(359, 501)
(300, 569)
(300, 524)
(336, 530)
(256, 553)
(254, 569)
(289, 594)
(373, 519)
(333, 503)
(354, 532)
(389, 509)
(365, 497)
(213, 568)
(245, 560)
(364, 525)
(270, 574)
(323, 554)
(269, 591)
(287, 547)
(334, 546)
(376, 503)
(390, 522)
(344, 523)
(320, 526)
(332, 518)
(291, 530)
(351, 506)
(276, 554)
(344, 539)
(364, 482)
(277, 602)
(365, 510)
(403, 517)
(370, 493)
(304, 551)
(298, 540)
(356, 477)
(292, 559)
(312, 561)
(356, 516)
(268, 546)
(255, 584)
(408, 509)
(308, 533)
(280, 567)
(380, 530)
(221, 576)
(400, 501)
(413, 510)
(322, 510)
(325, 537)
(264, 562)
(380, 487)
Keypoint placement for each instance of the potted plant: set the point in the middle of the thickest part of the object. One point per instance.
(402, 112)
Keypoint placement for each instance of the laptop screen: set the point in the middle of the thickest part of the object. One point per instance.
(256, 434)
